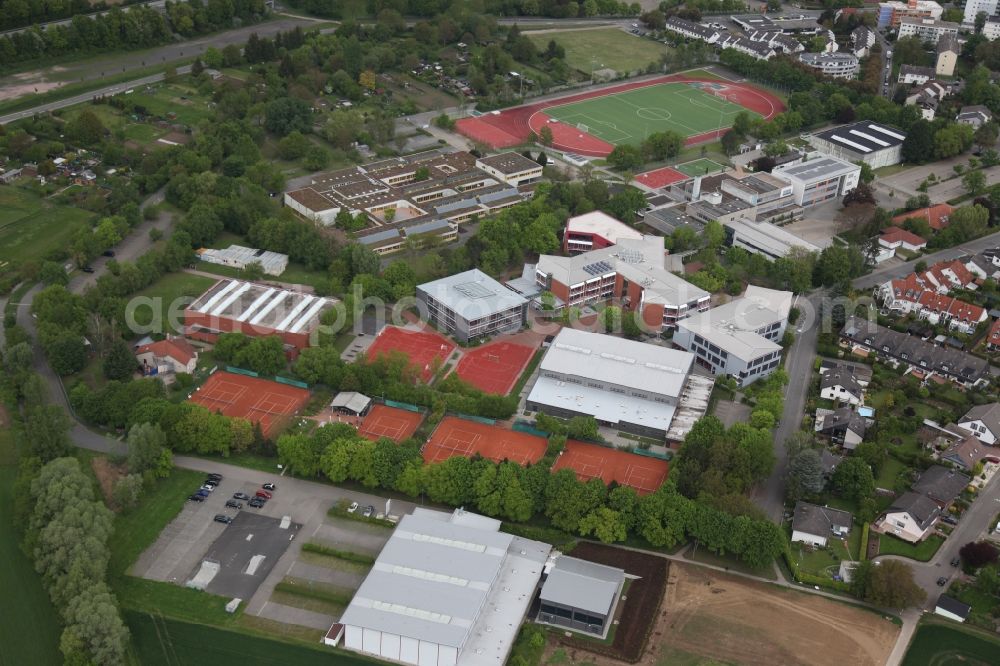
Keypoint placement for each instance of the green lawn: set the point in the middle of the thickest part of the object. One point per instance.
(165, 642)
(699, 167)
(826, 561)
(170, 99)
(29, 632)
(603, 48)
(629, 117)
(31, 227)
(922, 552)
(950, 645)
(295, 273)
(169, 289)
(891, 469)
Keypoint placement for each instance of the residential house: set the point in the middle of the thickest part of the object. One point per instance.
(167, 357)
(976, 115)
(923, 294)
(815, 524)
(936, 216)
(993, 339)
(948, 50)
(759, 50)
(928, 29)
(843, 426)
(841, 384)
(896, 238)
(941, 484)
(829, 461)
(912, 74)
(953, 609)
(911, 517)
(983, 421)
(892, 13)
(966, 453)
(692, 30)
(927, 96)
(836, 65)
(862, 40)
(867, 338)
(991, 30)
(781, 42)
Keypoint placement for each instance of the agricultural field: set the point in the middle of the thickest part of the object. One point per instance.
(602, 48)
(947, 645)
(30, 631)
(709, 617)
(170, 289)
(31, 227)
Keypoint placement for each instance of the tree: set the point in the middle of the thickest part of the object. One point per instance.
(731, 141)
(853, 479)
(545, 135)
(604, 523)
(974, 182)
(127, 491)
(889, 585)
(53, 273)
(611, 318)
(805, 475)
(86, 128)
(367, 80)
(119, 362)
(714, 234)
(47, 428)
(978, 554)
(986, 134)
(147, 445)
(918, 146)
(287, 114)
(625, 157)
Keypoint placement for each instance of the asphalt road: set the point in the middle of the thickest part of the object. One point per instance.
(770, 495)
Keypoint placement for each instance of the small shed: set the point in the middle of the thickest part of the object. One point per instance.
(351, 402)
(953, 609)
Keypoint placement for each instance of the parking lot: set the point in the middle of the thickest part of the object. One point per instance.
(193, 536)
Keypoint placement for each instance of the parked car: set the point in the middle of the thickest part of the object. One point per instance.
(233, 504)
(256, 503)
(269, 486)
(263, 493)
(369, 511)
(108, 253)
(955, 561)
(222, 518)
(208, 487)
(942, 581)
(211, 482)
(214, 476)
(202, 492)
(87, 269)
(196, 498)
(949, 520)
(241, 496)
(353, 507)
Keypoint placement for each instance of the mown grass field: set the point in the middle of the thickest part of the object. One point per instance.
(170, 289)
(29, 632)
(946, 645)
(603, 48)
(922, 552)
(31, 227)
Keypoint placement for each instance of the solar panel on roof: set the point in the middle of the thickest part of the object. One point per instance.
(598, 268)
(473, 290)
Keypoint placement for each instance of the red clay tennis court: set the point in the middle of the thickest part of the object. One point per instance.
(661, 177)
(257, 400)
(494, 368)
(422, 347)
(455, 436)
(392, 422)
(591, 461)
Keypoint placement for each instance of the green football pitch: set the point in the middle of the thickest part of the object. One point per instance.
(629, 117)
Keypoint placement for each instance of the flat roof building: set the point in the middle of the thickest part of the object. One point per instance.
(595, 230)
(740, 338)
(633, 386)
(891, 13)
(927, 29)
(819, 178)
(448, 589)
(836, 65)
(472, 305)
(764, 238)
(512, 168)
(235, 306)
(239, 257)
(580, 595)
(633, 272)
(875, 144)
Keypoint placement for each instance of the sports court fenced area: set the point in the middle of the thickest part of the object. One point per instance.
(494, 368)
(592, 123)
(422, 348)
(591, 461)
(396, 424)
(700, 167)
(456, 436)
(257, 400)
(661, 177)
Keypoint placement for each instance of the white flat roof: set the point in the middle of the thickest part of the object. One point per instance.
(733, 327)
(603, 225)
(618, 361)
(472, 294)
(261, 305)
(603, 405)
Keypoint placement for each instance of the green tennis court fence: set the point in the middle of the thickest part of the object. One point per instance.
(477, 419)
(240, 371)
(290, 382)
(652, 454)
(403, 405)
(521, 426)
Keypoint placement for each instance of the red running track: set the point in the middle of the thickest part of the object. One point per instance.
(512, 127)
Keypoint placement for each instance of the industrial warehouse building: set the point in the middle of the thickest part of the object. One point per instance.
(633, 386)
(472, 305)
(865, 141)
(239, 257)
(739, 338)
(232, 306)
(580, 595)
(448, 589)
